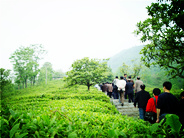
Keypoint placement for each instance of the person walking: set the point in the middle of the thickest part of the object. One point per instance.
(167, 102)
(109, 89)
(121, 88)
(125, 77)
(138, 83)
(152, 102)
(129, 90)
(142, 98)
(115, 88)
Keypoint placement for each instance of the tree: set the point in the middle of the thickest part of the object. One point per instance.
(25, 63)
(132, 70)
(109, 75)
(5, 82)
(46, 73)
(164, 31)
(87, 72)
(124, 69)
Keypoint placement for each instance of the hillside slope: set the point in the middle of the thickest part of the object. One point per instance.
(54, 110)
(125, 56)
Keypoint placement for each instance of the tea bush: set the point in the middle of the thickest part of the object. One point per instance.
(56, 111)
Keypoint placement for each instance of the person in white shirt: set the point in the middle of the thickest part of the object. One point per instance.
(121, 89)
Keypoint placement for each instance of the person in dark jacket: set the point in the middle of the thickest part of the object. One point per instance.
(167, 103)
(129, 89)
(142, 98)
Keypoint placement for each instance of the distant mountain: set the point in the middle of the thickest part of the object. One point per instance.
(125, 56)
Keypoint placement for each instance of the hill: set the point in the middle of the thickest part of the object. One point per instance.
(125, 56)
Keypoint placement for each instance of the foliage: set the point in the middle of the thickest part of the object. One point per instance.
(125, 56)
(46, 73)
(132, 70)
(56, 111)
(109, 75)
(170, 128)
(87, 72)
(5, 82)
(164, 32)
(25, 63)
(58, 74)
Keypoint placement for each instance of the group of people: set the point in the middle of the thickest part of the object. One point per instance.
(122, 88)
(161, 103)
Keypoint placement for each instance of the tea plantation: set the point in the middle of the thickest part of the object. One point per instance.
(57, 111)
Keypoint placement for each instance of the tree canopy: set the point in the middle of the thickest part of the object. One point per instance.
(87, 72)
(46, 73)
(164, 31)
(25, 63)
(5, 81)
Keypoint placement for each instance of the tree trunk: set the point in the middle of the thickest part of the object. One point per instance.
(88, 87)
(34, 77)
(23, 85)
(31, 82)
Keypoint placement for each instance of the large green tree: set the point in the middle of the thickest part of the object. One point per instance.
(87, 72)
(25, 63)
(164, 31)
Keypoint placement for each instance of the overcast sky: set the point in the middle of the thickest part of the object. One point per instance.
(69, 29)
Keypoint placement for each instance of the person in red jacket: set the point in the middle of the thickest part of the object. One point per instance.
(151, 104)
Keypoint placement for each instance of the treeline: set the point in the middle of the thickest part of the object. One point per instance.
(26, 69)
(153, 76)
(25, 64)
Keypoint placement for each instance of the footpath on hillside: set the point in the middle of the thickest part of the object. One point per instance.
(127, 109)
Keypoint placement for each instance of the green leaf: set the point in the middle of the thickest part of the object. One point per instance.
(173, 121)
(12, 112)
(22, 135)
(111, 133)
(123, 134)
(154, 127)
(14, 129)
(72, 135)
(6, 121)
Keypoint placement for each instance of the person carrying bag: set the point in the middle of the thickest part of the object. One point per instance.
(151, 112)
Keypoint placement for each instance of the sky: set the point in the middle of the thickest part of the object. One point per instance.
(69, 29)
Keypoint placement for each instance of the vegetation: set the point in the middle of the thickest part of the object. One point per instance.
(132, 70)
(46, 73)
(131, 64)
(5, 81)
(164, 31)
(56, 111)
(25, 63)
(87, 72)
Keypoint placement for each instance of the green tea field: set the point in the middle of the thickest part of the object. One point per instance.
(57, 111)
